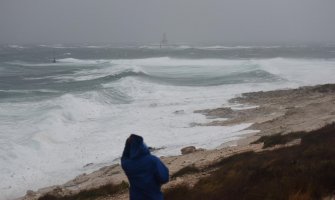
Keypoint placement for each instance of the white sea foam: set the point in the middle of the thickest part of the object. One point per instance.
(49, 141)
(60, 62)
(80, 61)
(214, 47)
(14, 46)
(91, 74)
(220, 47)
(95, 46)
(301, 71)
(58, 46)
(167, 62)
(30, 91)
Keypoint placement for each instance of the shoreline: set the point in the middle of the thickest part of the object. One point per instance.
(272, 112)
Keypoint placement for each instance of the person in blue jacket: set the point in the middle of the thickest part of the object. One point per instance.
(146, 173)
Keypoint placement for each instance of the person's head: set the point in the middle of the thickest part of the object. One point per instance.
(135, 147)
(132, 138)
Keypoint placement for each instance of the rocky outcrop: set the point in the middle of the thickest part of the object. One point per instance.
(190, 149)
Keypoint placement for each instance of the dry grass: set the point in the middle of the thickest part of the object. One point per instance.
(277, 139)
(185, 170)
(302, 172)
(102, 191)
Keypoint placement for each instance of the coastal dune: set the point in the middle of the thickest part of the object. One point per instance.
(273, 112)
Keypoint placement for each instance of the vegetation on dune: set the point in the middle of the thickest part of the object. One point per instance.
(106, 190)
(305, 171)
(326, 88)
(185, 170)
(277, 139)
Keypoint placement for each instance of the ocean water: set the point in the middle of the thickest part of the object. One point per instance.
(57, 117)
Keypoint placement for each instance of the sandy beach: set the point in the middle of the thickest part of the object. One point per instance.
(272, 112)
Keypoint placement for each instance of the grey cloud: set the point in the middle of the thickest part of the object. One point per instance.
(189, 21)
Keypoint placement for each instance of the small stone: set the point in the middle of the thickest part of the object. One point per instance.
(187, 150)
(88, 165)
(31, 193)
(200, 149)
(178, 112)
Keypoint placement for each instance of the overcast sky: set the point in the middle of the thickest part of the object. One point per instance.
(184, 21)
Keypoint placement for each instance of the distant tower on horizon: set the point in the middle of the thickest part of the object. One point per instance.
(164, 41)
(53, 55)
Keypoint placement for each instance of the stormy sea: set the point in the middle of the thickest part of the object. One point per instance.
(68, 109)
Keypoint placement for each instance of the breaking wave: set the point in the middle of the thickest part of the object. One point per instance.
(91, 106)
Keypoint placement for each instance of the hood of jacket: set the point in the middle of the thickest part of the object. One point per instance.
(135, 148)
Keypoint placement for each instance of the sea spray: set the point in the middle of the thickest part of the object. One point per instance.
(57, 117)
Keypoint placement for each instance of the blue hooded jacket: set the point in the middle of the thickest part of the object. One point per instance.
(146, 173)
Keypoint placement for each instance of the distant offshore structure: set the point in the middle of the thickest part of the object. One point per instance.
(164, 41)
(54, 58)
